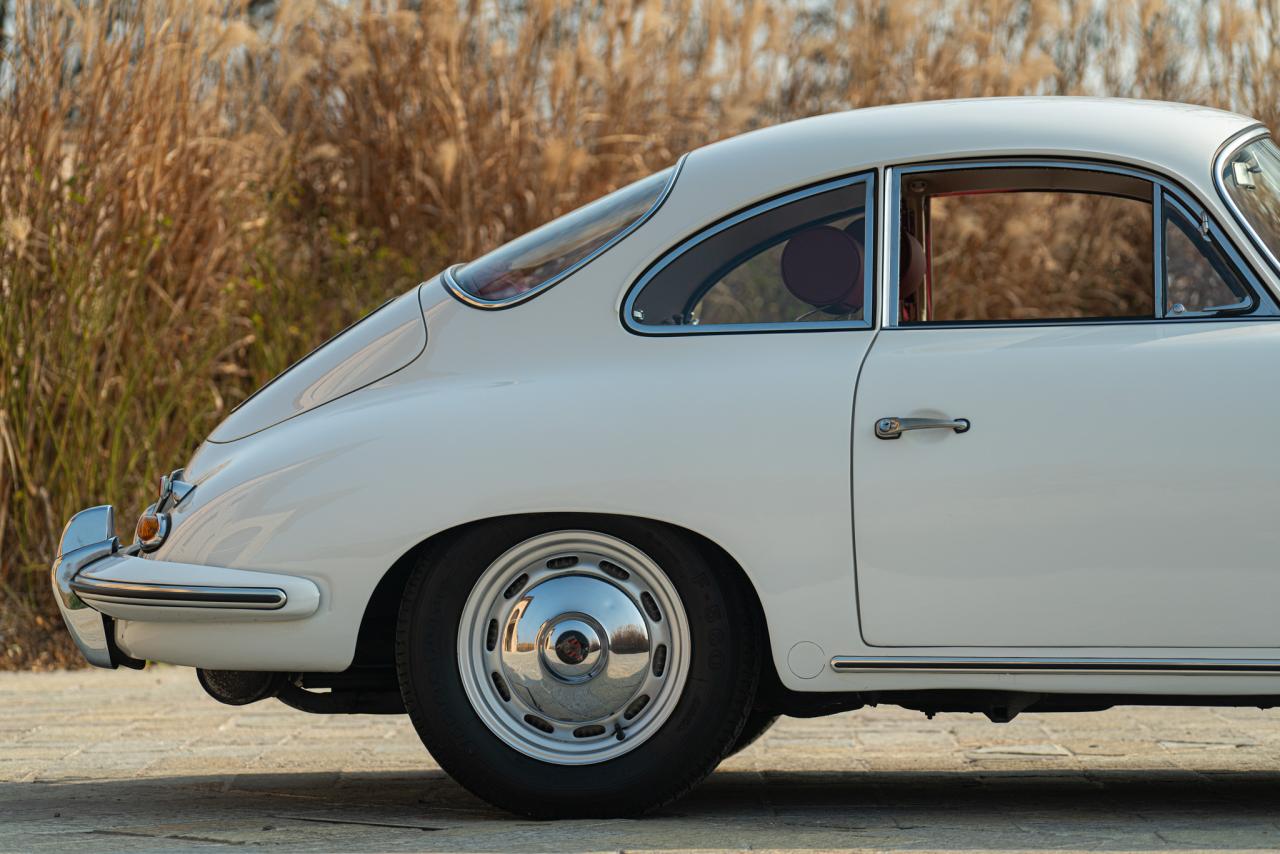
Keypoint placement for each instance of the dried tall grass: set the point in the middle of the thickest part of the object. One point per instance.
(191, 196)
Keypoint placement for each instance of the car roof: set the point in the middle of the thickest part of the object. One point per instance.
(1177, 139)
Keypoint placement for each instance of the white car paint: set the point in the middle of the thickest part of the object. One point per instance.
(753, 442)
(1110, 492)
(387, 340)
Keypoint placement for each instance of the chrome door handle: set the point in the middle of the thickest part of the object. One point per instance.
(893, 428)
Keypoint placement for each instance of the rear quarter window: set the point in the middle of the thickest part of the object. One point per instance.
(544, 256)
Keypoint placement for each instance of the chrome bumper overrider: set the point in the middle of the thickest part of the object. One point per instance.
(89, 536)
(95, 580)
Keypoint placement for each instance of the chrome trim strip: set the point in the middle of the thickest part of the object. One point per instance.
(1157, 243)
(971, 665)
(451, 283)
(1258, 316)
(867, 177)
(1234, 144)
(748, 328)
(179, 596)
(890, 315)
(1168, 189)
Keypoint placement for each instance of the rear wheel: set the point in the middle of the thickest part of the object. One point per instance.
(563, 670)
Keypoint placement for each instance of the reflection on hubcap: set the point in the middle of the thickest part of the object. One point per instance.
(573, 647)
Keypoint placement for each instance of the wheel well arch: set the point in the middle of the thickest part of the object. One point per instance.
(375, 643)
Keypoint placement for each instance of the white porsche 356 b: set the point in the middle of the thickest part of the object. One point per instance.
(962, 406)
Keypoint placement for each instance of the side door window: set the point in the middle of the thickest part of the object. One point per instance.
(1029, 244)
(1025, 244)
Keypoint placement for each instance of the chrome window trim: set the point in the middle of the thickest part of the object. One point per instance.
(1162, 187)
(1229, 148)
(1157, 249)
(451, 283)
(869, 289)
(1034, 664)
(888, 247)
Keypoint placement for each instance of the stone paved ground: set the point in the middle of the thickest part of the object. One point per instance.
(145, 762)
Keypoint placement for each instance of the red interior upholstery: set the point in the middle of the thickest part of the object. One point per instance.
(910, 265)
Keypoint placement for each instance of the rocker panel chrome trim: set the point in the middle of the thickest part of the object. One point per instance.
(1128, 666)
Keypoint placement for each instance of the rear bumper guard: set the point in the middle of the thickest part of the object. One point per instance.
(94, 581)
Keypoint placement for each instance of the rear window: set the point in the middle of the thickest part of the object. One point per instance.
(549, 253)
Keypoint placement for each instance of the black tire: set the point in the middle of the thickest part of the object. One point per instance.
(715, 701)
(757, 724)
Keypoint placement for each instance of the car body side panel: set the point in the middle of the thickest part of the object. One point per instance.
(743, 439)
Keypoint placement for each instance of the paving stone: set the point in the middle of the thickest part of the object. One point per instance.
(146, 762)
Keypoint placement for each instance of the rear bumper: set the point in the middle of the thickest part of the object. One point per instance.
(95, 581)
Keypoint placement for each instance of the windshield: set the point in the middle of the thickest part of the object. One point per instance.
(1252, 179)
(562, 245)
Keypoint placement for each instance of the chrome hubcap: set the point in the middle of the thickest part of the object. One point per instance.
(573, 647)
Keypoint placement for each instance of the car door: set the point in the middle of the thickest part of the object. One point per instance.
(1064, 435)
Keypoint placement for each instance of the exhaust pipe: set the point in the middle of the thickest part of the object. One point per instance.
(241, 687)
(359, 693)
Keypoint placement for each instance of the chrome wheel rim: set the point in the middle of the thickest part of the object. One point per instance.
(573, 647)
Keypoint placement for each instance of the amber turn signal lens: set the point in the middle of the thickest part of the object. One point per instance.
(148, 527)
